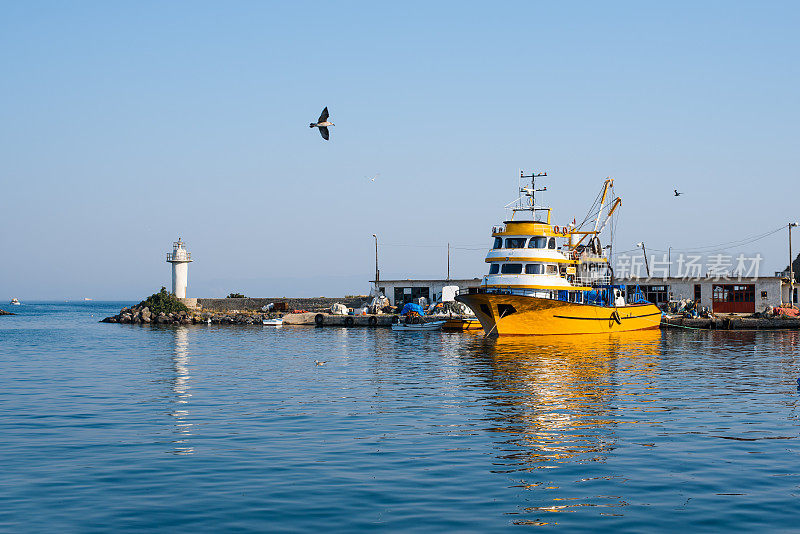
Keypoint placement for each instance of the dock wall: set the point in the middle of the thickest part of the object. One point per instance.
(255, 304)
(733, 323)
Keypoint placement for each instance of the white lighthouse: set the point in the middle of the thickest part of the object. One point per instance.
(179, 258)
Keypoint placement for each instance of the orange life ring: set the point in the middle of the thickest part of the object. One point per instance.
(556, 230)
(575, 254)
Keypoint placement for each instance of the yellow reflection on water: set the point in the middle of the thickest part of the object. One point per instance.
(561, 400)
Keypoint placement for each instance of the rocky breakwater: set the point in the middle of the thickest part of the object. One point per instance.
(143, 315)
(163, 308)
(3, 312)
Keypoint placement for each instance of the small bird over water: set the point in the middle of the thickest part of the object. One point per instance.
(317, 362)
(322, 123)
(676, 193)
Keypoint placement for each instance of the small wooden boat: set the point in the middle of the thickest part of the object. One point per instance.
(459, 324)
(433, 325)
(272, 322)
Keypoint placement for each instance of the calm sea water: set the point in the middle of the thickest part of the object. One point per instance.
(220, 428)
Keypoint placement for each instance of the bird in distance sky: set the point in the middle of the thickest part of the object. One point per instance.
(323, 123)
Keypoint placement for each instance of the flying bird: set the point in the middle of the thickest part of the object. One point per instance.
(322, 123)
(373, 178)
(676, 193)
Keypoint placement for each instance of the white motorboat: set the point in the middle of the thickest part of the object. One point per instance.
(15, 302)
(272, 322)
(433, 325)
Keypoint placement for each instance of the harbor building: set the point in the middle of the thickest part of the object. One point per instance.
(180, 259)
(401, 291)
(720, 294)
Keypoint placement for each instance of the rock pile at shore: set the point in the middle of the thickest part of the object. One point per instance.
(142, 315)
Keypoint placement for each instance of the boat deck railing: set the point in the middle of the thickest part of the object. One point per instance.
(589, 281)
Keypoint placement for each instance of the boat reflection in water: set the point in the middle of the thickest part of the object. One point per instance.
(560, 402)
(180, 388)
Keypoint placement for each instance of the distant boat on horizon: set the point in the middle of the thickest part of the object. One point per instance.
(86, 299)
(15, 302)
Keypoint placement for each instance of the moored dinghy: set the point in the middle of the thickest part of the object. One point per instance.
(433, 325)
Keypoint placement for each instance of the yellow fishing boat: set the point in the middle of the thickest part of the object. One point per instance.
(546, 279)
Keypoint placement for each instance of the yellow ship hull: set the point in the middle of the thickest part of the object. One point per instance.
(505, 315)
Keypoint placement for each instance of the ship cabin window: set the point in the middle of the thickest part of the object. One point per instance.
(537, 242)
(534, 268)
(515, 242)
(494, 268)
(498, 242)
(511, 268)
(552, 243)
(552, 269)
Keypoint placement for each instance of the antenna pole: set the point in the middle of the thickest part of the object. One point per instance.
(533, 176)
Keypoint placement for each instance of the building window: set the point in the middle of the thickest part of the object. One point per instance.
(534, 268)
(402, 295)
(382, 291)
(515, 242)
(655, 294)
(697, 292)
(764, 295)
(537, 242)
(511, 268)
(494, 268)
(420, 292)
(498, 242)
(552, 243)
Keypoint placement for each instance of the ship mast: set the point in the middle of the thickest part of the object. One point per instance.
(530, 194)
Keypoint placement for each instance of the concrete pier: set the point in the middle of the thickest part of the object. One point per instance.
(326, 319)
(733, 323)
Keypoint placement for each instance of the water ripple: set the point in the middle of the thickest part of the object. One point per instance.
(207, 428)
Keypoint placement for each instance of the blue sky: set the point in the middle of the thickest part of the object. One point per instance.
(125, 126)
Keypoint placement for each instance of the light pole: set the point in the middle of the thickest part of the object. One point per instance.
(644, 251)
(791, 269)
(669, 262)
(377, 272)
